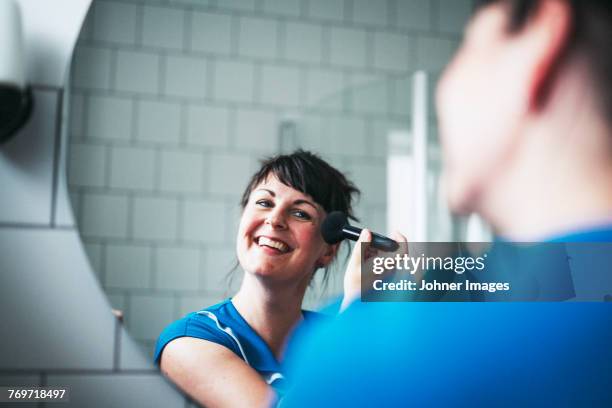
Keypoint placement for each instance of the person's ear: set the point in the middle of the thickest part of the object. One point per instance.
(546, 34)
(328, 255)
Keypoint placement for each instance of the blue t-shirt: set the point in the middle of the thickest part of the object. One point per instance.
(460, 354)
(222, 324)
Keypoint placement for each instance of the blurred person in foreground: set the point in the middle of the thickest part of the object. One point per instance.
(530, 92)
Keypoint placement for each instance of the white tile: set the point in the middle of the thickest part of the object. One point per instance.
(348, 47)
(75, 198)
(48, 309)
(159, 122)
(149, 315)
(94, 255)
(241, 5)
(414, 14)
(177, 268)
(119, 390)
(372, 181)
(146, 347)
(325, 89)
(87, 166)
(128, 266)
(347, 136)
(370, 94)
(186, 76)
(26, 165)
(207, 126)
(453, 15)
(211, 32)
(303, 42)
(218, 274)
(137, 72)
(155, 218)
(284, 7)
(132, 168)
(204, 221)
(233, 214)
(201, 3)
(256, 130)
(370, 12)
(378, 219)
(280, 85)
(393, 51)
(76, 113)
(104, 216)
(23, 380)
(130, 355)
(189, 304)
(116, 299)
(181, 171)
(258, 37)
(310, 133)
(229, 173)
(91, 67)
(163, 27)
(402, 95)
(114, 22)
(433, 54)
(234, 81)
(326, 9)
(109, 118)
(87, 28)
(63, 215)
(381, 128)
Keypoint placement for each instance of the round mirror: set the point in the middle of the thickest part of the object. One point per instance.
(173, 103)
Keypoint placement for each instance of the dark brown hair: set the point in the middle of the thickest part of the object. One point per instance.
(309, 174)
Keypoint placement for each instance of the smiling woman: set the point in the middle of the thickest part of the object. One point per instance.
(230, 354)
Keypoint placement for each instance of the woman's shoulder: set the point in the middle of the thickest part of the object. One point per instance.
(205, 324)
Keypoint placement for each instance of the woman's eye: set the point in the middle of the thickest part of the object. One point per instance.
(264, 203)
(302, 214)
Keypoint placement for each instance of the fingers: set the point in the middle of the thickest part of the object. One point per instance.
(398, 237)
(363, 244)
(365, 236)
(401, 240)
(352, 276)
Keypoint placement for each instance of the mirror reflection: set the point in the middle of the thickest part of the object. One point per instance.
(174, 104)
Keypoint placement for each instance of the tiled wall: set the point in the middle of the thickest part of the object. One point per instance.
(174, 102)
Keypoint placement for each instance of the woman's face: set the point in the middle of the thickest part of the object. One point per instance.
(279, 236)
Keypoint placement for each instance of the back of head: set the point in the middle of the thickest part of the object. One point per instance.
(590, 37)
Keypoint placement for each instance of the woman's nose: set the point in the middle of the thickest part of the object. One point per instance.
(276, 220)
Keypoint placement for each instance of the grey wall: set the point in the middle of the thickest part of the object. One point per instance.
(173, 103)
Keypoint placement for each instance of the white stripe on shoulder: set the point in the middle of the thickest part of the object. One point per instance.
(227, 330)
(273, 377)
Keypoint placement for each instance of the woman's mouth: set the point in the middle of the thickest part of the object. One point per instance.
(275, 244)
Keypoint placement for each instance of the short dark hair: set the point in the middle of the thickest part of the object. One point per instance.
(311, 175)
(590, 35)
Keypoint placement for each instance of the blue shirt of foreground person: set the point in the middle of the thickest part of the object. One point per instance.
(529, 90)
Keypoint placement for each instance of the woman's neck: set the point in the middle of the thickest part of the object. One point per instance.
(272, 312)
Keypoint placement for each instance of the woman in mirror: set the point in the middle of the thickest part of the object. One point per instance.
(230, 354)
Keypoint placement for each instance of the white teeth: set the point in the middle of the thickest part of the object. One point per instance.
(274, 244)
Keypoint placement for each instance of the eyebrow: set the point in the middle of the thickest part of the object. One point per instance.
(300, 201)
